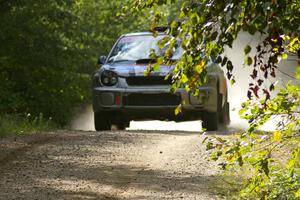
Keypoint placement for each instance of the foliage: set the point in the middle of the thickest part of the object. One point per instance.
(27, 124)
(206, 28)
(48, 51)
(274, 176)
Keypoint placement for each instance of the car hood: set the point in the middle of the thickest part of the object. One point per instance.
(127, 69)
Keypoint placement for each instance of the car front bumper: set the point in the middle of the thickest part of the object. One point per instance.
(150, 99)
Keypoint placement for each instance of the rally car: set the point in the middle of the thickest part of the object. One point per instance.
(122, 92)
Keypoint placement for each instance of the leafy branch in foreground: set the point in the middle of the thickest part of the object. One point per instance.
(273, 157)
(205, 28)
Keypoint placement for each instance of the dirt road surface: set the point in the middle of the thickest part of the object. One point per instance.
(106, 165)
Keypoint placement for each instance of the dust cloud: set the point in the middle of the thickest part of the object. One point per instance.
(237, 94)
(84, 121)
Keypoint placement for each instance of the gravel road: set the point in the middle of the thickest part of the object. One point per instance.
(106, 165)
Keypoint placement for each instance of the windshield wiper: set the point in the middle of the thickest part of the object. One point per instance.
(115, 61)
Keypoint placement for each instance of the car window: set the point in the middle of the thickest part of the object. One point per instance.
(139, 47)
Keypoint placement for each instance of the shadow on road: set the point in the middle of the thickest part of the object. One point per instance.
(97, 165)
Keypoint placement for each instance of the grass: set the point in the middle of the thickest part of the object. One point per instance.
(227, 184)
(23, 124)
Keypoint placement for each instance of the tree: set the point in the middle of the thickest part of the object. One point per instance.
(206, 28)
(49, 50)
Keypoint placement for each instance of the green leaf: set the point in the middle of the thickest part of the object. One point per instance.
(229, 66)
(204, 140)
(232, 81)
(160, 61)
(284, 56)
(184, 78)
(224, 61)
(155, 67)
(209, 146)
(277, 136)
(297, 194)
(247, 49)
(178, 110)
(252, 29)
(248, 60)
(219, 59)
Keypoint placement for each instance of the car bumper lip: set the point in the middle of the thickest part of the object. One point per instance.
(134, 90)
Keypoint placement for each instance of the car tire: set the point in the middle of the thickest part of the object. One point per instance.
(220, 109)
(211, 121)
(226, 119)
(102, 121)
(122, 125)
(224, 116)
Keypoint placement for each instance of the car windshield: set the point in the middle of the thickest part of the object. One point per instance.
(133, 48)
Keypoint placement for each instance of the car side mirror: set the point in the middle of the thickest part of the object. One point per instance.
(101, 60)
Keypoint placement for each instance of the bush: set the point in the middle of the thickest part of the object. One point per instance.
(24, 124)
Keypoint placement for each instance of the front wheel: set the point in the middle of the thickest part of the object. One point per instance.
(102, 121)
(226, 114)
(224, 111)
(211, 121)
(122, 125)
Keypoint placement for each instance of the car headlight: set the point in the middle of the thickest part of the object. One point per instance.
(108, 78)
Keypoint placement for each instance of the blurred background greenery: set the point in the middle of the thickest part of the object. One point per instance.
(48, 53)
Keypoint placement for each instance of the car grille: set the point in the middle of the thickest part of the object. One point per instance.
(148, 80)
(163, 99)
